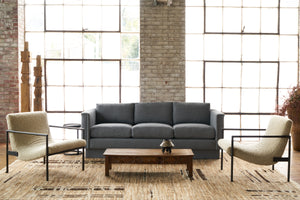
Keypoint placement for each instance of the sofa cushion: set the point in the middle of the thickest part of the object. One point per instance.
(152, 130)
(111, 130)
(191, 113)
(153, 113)
(115, 113)
(193, 131)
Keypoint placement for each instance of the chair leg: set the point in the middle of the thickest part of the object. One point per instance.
(273, 167)
(7, 152)
(82, 159)
(47, 168)
(221, 159)
(289, 160)
(231, 173)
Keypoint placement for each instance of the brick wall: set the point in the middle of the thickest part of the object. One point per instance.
(9, 79)
(162, 48)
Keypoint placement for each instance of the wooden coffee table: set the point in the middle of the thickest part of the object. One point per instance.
(148, 156)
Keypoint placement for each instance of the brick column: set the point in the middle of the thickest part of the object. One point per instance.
(162, 40)
(9, 74)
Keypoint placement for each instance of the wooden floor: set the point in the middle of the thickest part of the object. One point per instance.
(282, 167)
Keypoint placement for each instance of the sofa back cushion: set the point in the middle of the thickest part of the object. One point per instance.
(115, 113)
(191, 113)
(154, 112)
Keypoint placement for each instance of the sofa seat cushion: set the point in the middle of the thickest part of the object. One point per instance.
(111, 130)
(152, 130)
(193, 131)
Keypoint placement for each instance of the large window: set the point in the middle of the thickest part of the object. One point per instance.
(242, 57)
(90, 52)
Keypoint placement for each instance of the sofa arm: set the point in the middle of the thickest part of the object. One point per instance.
(88, 119)
(217, 121)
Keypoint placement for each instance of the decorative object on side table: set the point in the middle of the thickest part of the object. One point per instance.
(291, 106)
(166, 145)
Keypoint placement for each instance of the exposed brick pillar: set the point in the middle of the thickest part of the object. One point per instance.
(9, 74)
(162, 39)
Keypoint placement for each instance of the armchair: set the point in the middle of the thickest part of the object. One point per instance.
(30, 139)
(267, 151)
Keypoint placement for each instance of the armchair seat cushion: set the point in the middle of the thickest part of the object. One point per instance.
(36, 151)
(253, 153)
(111, 130)
(152, 130)
(194, 131)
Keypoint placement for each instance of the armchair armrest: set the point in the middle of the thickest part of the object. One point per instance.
(217, 121)
(66, 127)
(28, 133)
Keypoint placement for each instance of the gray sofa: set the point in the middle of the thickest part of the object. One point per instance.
(144, 125)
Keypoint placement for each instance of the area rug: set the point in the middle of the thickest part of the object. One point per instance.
(26, 180)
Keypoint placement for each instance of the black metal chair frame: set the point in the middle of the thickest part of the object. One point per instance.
(275, 159)
(46, 159)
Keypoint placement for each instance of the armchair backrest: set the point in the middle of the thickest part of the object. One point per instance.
(277, 126)
(36, 122)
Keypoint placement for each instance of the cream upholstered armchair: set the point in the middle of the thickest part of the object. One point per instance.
(30, 139)
(267, 151)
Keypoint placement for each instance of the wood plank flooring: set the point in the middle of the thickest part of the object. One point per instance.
(282, 167)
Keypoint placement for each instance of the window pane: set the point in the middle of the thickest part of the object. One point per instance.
(194, 95)
(250, 47)
(288, 21)
(213, 47)
(269, 48)
(232, 20)
(193, 2)
(55, 73)
(232, 47)
(269, 20)
(130, 74)
(232, 3)
(72, 18)
(111, 45)
(111, 75)
(55, 98)
(54, 45)
(194, 20)
(213, 74)
(92, 75)
(213, 19)
(194, 74)
(250, 100)
(92, 18)
(34, 20)
(110, 18)
(288, 75)
(268, 75)
(289, 48)
(231, 74)
(130, 19)
(194, 47)
(110, 94)
(130, 94)
(289, 3)
(73, 45)
(214, 97)
(54, 17)
(130, 46)
(73, 73)
(73, 101)
(250, 75)
(267, 100)
(251, 3)
(92, 45)
(251, 20)
(231, 100)
(269, 3)
(36, 43)
(92, 96)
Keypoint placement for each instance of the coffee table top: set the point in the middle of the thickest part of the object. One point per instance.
(147, 152)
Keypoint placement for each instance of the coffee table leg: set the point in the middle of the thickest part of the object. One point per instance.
(190, 167)
(107, 165)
